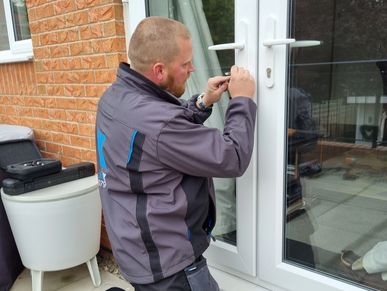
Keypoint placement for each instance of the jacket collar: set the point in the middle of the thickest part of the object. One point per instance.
(128, 75)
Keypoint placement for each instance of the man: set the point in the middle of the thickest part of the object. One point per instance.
(156, 158)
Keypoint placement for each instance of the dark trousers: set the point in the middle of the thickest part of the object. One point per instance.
(195, 277)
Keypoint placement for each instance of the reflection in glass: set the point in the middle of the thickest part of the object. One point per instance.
(336, 194)
(210, 22)
(20, 20)
(4, 43)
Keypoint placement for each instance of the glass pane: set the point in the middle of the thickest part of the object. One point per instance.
(210, 22)
(336, 194)
(4, 43)
(20, 20)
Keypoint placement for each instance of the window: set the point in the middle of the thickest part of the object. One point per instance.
(15, 37)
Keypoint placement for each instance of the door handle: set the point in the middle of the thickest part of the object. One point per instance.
(227, 46)
(291, 42)
(270, 42)
(305, 43)
(241, 42)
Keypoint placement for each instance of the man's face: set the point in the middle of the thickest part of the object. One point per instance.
(179, 70)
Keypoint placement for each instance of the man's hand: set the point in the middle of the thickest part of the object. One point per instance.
(241, 83)
(215, 87)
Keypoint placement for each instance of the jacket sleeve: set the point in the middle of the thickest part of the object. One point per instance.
(199, 115)
(207, 152)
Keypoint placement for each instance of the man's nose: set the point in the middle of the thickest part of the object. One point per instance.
(192, 68)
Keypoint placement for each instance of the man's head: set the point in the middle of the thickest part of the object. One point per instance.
(161, 50)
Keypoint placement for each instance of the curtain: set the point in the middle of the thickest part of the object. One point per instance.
(190, 12)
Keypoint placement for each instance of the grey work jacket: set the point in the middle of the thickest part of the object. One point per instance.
(156, 161)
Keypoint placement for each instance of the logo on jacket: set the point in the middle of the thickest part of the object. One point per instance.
(101, 138)
(101, 179)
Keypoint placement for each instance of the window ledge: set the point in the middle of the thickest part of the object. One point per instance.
(15, 58)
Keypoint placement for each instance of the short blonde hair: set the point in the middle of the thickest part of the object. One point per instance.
(155, 40)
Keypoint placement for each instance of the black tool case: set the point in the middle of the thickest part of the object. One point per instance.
(31, 182)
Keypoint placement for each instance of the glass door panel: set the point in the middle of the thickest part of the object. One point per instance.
(209, 22)
(335, 211)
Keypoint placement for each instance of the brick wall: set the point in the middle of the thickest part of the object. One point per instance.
(77, 46)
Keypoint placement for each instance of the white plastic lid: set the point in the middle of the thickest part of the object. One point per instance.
(15, 132)
(58, 192)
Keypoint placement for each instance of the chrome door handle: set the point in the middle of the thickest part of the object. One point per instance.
(227, 46)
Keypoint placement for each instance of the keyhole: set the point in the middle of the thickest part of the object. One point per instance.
(268, 73)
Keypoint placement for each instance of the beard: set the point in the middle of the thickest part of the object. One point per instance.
(172, 87)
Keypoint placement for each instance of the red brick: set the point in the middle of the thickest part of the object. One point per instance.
(40, 113)
(44, 78)
(98, 14)
(91, 31)
(87, 104)
(72, 152)
(71, 64)
(93, 62)
(86, 129)
(51, 125)
(57, 22)
(105, 76)
(55, 90)
(54, 148)
(80, 48)
(57, 114)
(66, 103)
(34, 102)
(50, 103)
(12, 110)
(61, 138)
(64, 6)
(44, 11)
(95, 90)
(89, 155)
(77, 18)
(74, 90)
(81, 4)
(80, 141)
(69, 127)
(67, 161)
(41, 52)
(69, 35)
(118, 12)
(42, 135)
(49, 38)
(77, 116)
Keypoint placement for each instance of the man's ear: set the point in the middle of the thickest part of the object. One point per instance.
(159, 72)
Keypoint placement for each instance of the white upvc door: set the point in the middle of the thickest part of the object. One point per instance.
(230, 29)
(328, 57)
(241, 258)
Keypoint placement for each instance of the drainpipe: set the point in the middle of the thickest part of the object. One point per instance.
(131, 20)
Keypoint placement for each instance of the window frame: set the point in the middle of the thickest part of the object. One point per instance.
(20, 51)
